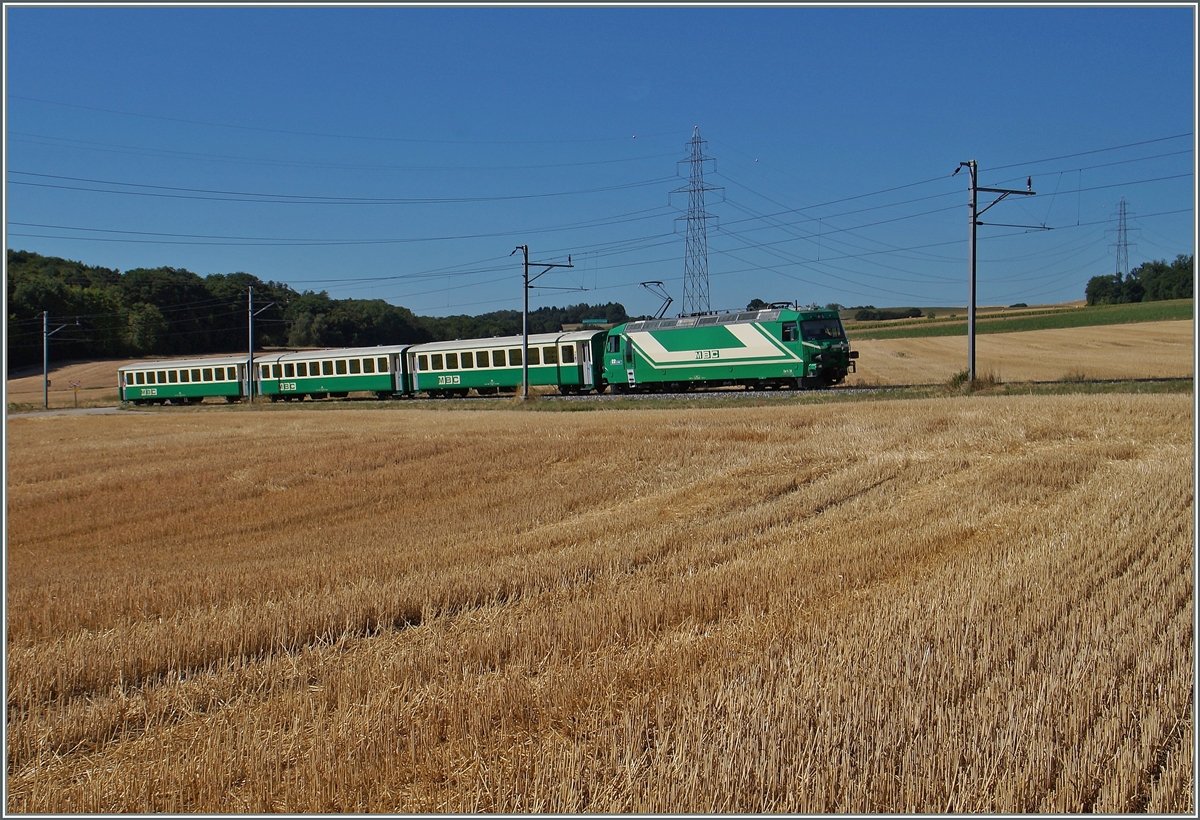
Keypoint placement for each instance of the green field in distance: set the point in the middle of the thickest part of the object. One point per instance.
(1015, 322)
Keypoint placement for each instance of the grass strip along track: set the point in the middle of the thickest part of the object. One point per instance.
(1017, 322)
(955, 604)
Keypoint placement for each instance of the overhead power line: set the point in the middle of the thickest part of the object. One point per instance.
(212, 124)
(134, 150)
(300, 199)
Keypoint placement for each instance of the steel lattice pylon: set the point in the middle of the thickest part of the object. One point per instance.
(1122, 242)
(695, 261)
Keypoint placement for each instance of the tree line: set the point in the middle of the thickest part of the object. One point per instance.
(173, 312)
(1148, 282)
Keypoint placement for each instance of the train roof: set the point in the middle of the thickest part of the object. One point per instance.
(188, 363)
(508, 341)
(331, 353)
(745, 317)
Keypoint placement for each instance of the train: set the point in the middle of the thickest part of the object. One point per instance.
(780, 347)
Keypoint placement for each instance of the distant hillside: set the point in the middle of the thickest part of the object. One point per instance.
(172, 312)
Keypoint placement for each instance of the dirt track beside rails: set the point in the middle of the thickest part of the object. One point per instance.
(961, 604)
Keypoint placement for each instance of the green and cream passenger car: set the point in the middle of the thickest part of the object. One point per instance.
(183, 381)
(572, 362)
(319, 374)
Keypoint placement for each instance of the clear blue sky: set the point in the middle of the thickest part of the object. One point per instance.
(402, 153)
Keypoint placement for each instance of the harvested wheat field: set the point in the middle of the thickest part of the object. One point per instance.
(969, 604)
(1131, 351)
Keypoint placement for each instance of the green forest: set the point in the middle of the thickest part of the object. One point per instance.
(1148, 282)
(173, 312)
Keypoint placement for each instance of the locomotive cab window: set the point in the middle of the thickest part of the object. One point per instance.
(817, 330)
(790, 332)
(613, 345)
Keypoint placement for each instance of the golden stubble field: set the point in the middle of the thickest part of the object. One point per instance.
(971, 604)
(1132, 351)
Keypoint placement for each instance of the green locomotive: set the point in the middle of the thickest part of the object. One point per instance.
(775, 348)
